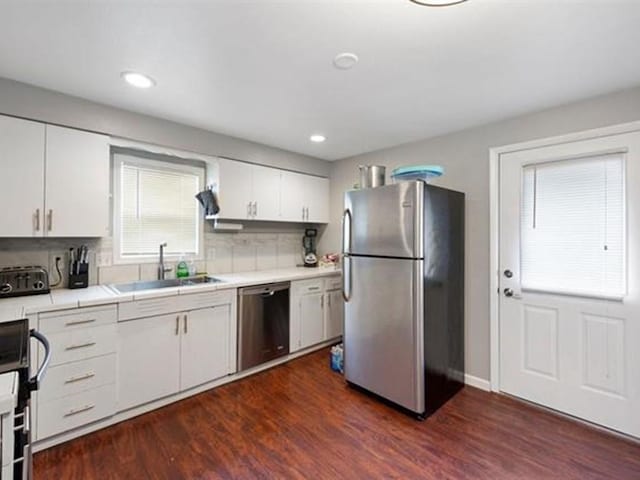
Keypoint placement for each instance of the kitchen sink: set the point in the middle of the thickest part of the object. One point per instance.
(169, 282)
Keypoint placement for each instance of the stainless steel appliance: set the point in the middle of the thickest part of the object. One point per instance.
(403, 277)
(263, 326)
(18, 281)
(15, 357)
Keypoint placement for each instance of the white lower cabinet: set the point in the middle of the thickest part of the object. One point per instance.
(316, 312)
(79, 386)
(311, 307)
(148, 359)
(161, 355)
(334, 314)
(205, 346)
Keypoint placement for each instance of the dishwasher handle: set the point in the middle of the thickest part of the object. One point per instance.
(265, 290)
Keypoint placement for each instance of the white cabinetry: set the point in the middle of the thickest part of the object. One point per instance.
(21, 177)
(304, 198)
(255, 192)
(190, 343)
(205, 345)
(248, 191)
(316, 312)
(79, 387)
(148, 359)
(334, 310)
(77, 183)
(57, 180)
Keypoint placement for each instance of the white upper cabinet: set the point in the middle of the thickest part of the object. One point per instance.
(256, 192)
(234, 189)
(317, 199)
(77, 183)
(266, 193)
(292, 196)
(21, 177)
(57, 180)
(304, 198)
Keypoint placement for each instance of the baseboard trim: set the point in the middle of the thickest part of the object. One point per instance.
(477, 382)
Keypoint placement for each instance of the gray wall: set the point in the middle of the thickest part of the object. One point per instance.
(21, 100)
(465, 156)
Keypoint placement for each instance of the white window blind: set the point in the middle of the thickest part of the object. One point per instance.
(573, 227)
(157, 204)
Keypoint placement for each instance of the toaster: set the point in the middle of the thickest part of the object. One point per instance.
(18, 281)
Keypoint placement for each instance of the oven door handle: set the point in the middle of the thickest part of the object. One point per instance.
(34, 383)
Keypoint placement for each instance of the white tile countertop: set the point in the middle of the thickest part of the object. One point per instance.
(62, 299)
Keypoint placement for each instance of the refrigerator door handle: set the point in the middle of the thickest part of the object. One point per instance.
(346, 259)
(346, 248)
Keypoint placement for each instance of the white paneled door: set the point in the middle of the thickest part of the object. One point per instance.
(570, 278)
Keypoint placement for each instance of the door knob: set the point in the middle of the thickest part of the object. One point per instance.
(508, 292)
(508, 273)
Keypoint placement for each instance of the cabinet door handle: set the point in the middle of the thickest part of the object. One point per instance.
(50, 220)
(86, 376)
(306, 216)
(177, 324)
(82, 345)
(255, 209)
(79, 322)
(314, 288)
(322, 301)
(249, 210)
(186, 328)
(329, 300)
(79, 410)
(37, 219)
(302, 213)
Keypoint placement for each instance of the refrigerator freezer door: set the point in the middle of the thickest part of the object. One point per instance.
(383, 337)
(385, 221)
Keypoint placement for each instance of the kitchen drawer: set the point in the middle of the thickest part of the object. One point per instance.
(194, 301)
(75, 319)
(81, 344)
(333, 283)
(76, 377)
(149, 308)
(67, 413)
(302, 287)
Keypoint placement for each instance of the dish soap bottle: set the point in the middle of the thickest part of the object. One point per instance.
(182, 269)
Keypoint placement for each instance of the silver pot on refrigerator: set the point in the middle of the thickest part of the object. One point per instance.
(371, 176)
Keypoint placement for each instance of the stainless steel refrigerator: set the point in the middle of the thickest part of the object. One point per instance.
(403, 284)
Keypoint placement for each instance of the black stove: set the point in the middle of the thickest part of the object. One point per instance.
(15, 357)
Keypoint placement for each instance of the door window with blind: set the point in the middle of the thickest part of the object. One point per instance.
(154, 203)
(573, 227)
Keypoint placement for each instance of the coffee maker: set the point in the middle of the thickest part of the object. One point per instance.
(309, 257)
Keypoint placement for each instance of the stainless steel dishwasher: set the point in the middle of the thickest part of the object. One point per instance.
(263, 326)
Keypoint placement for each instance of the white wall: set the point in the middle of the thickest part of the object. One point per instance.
(465, 156)
(26, 101)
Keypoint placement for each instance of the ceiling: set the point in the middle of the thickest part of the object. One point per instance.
(262, 70)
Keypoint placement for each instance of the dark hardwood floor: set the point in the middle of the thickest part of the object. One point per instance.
(300, 420)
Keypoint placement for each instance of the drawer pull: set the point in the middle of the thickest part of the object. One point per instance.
(313, 288)
(79, 322)
(82, 345)
(86, 376)
(79, 410)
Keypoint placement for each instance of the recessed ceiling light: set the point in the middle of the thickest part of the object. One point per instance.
(345, 61)
(138, 79)
(437, 3)
(317, 138)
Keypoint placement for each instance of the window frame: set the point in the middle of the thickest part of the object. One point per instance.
(625, 232)
(158, 162)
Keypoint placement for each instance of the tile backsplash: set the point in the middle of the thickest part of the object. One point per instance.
(222, 253)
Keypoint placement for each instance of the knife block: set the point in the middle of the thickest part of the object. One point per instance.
(79, 275)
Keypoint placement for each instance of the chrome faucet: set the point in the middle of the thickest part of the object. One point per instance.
(161, 268)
